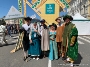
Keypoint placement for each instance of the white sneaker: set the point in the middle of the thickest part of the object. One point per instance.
(71, 65)
(37, 59)
(34, 58)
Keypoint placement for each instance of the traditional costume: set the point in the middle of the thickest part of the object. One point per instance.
(44, 37)
(53, 54)
(35, 46)
(70, 43)
(26, 29)
(59, 36)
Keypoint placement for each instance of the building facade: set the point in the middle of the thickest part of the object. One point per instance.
(80, 6)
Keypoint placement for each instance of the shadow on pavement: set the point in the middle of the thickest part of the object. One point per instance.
(42, 54)
(6, 44)
(78, 61)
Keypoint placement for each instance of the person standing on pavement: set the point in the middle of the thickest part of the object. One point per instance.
(9, 29)
(44, 37)
(53, 53)
(3, 32)
(59, 37)
(70, 41)
(35, 44)
(26, 29)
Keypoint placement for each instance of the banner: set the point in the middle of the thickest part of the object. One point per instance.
(36, 3)
(20, 10)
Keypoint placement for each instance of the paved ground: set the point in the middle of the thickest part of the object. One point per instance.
(16, 59)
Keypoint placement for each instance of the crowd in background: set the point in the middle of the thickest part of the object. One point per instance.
(12, 29)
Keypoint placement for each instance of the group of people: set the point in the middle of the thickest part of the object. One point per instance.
(60, 40)
(12, 29)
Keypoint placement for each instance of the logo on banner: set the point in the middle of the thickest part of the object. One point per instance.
(50, 8)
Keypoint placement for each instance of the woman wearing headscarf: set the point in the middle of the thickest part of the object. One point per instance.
(35, 45)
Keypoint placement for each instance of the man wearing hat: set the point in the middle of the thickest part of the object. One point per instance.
(70, 43)
(44, 37)
(26, 29)
(24, 35)
(59, 36)
(58, 20)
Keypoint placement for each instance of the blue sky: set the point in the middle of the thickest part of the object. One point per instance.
(5, 5)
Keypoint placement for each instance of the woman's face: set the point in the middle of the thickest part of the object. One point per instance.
(58, 21)
(52, 28)
(35, 24)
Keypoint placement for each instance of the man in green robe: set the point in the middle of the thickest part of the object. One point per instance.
(70, 35)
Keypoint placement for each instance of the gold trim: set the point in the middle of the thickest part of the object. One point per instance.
(73, 39)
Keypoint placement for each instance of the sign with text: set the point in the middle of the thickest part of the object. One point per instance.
(50, 9)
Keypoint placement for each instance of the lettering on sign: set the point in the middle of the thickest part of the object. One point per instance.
(50, 9)
(14, 15)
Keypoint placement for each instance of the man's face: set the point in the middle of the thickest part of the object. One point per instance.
(28, 22)
(67, 20)
(58, 20)
(42, 23)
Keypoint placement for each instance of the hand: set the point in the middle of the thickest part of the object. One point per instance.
(35, 30)
(30, 41)
(71, 44)
(52, 39)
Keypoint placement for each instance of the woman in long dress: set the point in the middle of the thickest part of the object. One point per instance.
(35, 47)
(53, 54)
(44, 37)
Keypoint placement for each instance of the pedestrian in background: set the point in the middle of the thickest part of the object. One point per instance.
(3, 32)
(9, 29)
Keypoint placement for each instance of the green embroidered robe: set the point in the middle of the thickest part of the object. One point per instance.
(71, 33)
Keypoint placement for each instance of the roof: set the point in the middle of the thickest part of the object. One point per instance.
(35, 20)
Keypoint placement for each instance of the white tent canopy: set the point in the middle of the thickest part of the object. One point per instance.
(83, 26)
(77, 16)
(13, 13)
